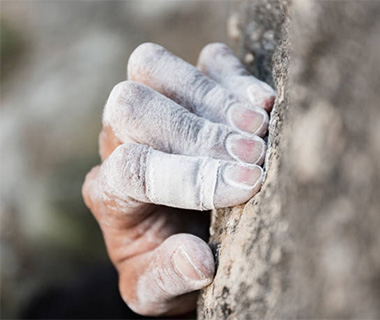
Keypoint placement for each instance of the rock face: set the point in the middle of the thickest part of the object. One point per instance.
(308, 245)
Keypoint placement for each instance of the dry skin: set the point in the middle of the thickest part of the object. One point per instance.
(174, 139)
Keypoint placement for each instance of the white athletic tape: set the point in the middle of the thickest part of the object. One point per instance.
(181, 181)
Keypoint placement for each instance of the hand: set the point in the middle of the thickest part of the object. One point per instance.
(174, 139)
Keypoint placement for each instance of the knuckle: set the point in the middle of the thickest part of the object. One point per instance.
(123, 173)
(148, 49)
(108, 142)
(213, 49)
(208, 139)
(121, 102)
(111, 188)
(143, 56)
(88, 188)
(112, 169)
(218, 100)
(124, 90)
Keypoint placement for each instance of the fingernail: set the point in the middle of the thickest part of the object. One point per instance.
(185, 266)
(243, 176)
(245, 119)
(249, 150)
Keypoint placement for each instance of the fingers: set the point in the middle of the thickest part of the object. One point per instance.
(197, 151)
(159, 282)
(164, 72)
(136, 172)
(199, 183)
(218, 62)
(137, 113)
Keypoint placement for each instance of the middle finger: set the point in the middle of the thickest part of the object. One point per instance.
(137, 113)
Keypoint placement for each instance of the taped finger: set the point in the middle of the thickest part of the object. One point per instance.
(146, 175)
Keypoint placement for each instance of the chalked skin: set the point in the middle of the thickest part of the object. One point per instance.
(174, 137)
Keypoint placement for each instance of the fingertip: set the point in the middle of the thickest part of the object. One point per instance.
(243, 176)
(261, 132)
(261, 94)
(252, 120)
(269, 102)
(193, 260)
(238, 184)
(246, 149)
(162, 281)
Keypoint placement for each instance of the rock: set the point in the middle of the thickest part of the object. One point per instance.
(307, 245)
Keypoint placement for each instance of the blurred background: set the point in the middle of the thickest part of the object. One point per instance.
(59, 61)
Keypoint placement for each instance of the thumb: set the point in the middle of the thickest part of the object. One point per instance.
(158, 282)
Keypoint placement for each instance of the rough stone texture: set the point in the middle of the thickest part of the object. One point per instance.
(308, 245)
(248, 240)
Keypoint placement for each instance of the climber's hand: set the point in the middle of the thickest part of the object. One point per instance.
(174, 139)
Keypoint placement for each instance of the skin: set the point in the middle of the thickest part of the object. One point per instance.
(171, 110)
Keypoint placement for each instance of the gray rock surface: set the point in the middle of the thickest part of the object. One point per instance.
(308, 245)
